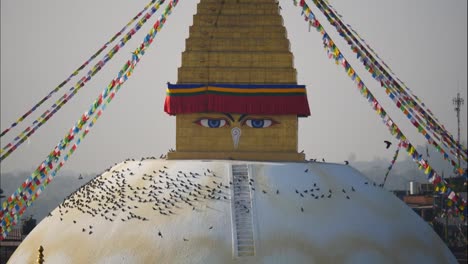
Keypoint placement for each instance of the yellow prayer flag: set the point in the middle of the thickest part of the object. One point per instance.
(411, 150)
(443, 188)
(428, 169)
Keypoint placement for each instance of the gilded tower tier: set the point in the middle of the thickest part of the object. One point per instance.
(237, 96)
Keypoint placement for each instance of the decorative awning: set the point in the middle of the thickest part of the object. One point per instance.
(260, 99)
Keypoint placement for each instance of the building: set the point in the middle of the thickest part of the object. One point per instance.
(14, 239)
(430, 206)
(420, 198)
(9, 244)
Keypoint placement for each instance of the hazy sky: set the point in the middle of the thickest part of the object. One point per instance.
(43, 42)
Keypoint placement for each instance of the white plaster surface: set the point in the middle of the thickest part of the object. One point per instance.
(372, 226)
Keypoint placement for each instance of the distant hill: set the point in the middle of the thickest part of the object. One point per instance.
(404, 170)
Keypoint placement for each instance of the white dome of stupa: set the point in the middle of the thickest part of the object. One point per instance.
(196, 211)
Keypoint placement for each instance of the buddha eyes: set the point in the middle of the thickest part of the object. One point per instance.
(259, 123)
(221, 122)
(212, 122)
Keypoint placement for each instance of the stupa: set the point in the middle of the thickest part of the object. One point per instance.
(235, 190)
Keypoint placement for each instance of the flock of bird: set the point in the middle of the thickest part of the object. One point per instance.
(127, 192)
(113, 198)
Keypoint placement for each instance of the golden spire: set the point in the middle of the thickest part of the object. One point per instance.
(237, 95)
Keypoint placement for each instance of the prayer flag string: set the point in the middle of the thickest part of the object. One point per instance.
(56, 89)
(392, 86)
(403, 85)
(434, 127)
(395, 156)
(27, 193)
(393, 89)
(30, 130)
(454, 200)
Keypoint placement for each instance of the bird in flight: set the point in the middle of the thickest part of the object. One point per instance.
(388, 143)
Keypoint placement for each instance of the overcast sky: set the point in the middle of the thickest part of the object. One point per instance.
(43, 42)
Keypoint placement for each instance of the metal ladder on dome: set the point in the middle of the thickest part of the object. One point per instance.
(242, 210)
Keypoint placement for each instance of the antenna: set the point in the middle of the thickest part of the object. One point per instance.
(457, 102)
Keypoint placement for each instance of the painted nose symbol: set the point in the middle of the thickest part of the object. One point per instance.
(236, 133)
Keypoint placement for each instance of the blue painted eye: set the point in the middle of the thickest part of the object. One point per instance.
(214, 123)
(211, 122)
(259, 123)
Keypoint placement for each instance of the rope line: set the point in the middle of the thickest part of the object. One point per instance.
(395, 156)
(26, 133)
(56, 89)
(439, 132)
(455, 200)
(422, 109)
(24, 196)
(371, 51)
(388, 82)
(395, 97)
